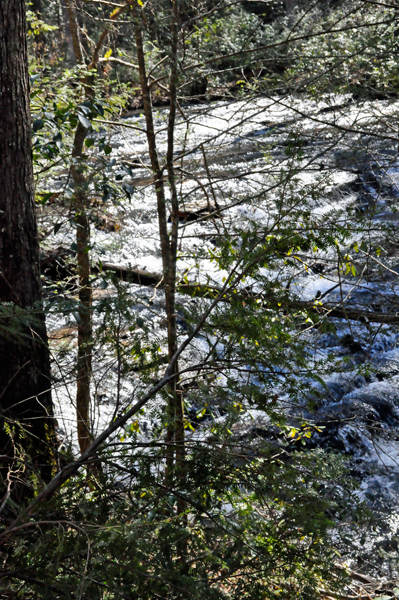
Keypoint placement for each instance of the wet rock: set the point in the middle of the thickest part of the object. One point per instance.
(341, 384)
(387, 364)
(350, 410)
(105, 222)
(328, 340)
(58, 265)
(318, 268)
(354, 347)
(383, 397)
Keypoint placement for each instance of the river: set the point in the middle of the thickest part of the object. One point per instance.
(229, 156)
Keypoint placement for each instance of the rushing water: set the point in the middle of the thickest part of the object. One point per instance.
(350, 151)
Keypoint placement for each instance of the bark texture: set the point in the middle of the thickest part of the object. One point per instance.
(85, 338)
(79, 175)
(25, 397)
(175, 439)
(168, 268)
(74, 29)
(70, 51)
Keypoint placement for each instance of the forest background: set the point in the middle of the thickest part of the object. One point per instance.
(172, 170)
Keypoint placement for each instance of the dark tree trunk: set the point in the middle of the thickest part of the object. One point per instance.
(36, 6)
(85, 341)
(25, 397)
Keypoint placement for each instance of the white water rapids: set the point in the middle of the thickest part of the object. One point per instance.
(351, 154)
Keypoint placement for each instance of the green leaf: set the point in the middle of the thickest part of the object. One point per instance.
(85, 109)
(85, 122)
(45, 198)
(37, 124)
(129, 189)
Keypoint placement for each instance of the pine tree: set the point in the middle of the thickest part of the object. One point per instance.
(26, 418)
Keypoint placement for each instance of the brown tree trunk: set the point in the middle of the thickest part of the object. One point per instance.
(85, 341)
(74, 29)
(163, 226)
(85, 338)
(25, 396)
(170, 291)
(175, 416)
(70, 51)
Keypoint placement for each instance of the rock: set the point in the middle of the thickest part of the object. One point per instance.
(383, 397)
(387, 364)
(354, 347)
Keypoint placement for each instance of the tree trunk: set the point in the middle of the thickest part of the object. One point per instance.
(70, 51)
(85, 337)
(175, 471)
(163, 231)
(74, 29)
(25, 396)
(170, 291)
(85, 341)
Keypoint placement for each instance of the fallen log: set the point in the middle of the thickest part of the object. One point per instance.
(147, 278)
(364, 316)
(130, 275)
(208, 291)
